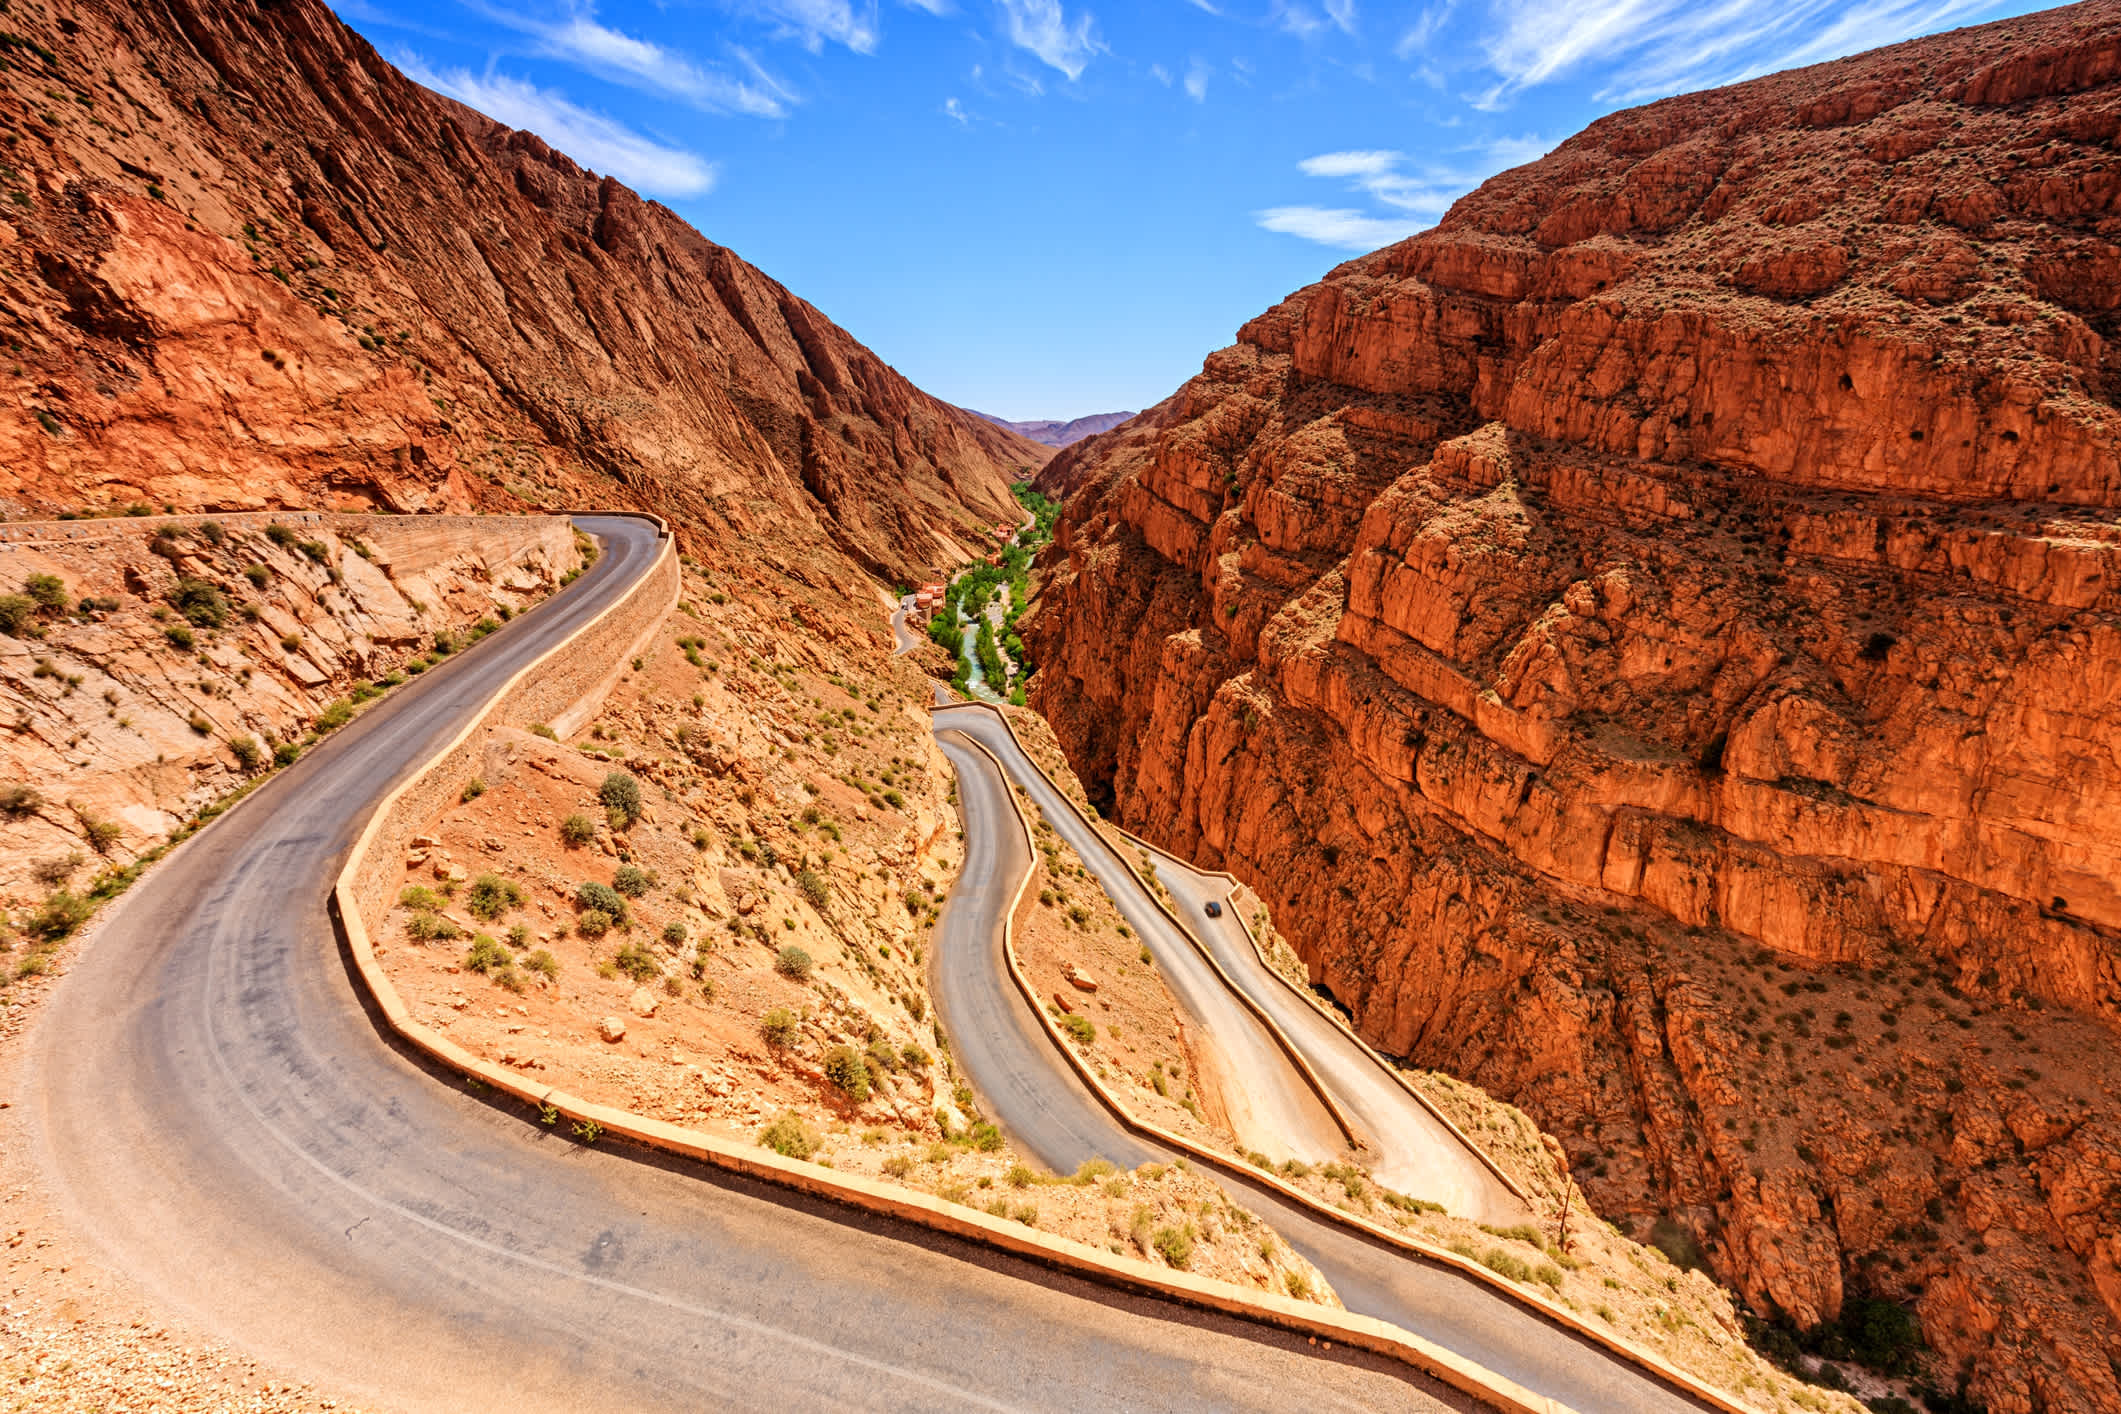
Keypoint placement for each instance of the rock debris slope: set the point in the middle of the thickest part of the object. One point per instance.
(244, 261)
(1655, 641)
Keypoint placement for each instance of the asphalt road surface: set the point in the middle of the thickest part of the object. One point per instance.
(1415, 1152)
(211, 1105)
(1028, 1088)
(904, 635)
(1269, 1105)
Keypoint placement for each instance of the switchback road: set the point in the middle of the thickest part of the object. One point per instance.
(211, 1106)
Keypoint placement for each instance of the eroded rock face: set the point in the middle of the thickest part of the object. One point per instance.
(250, 264)
(1655, 640)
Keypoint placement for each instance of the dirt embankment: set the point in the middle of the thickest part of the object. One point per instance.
(712, 904)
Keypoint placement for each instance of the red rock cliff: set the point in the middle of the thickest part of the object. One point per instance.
(246, 263)
(1656, 642)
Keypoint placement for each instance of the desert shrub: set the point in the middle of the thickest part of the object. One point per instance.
(285, 753)
(1547, 1274)
(913, 1057)
(778, 1026)
(337, 715)
(1881, 1334)
(491, 896)
(101, 834)
(290, 642)
(58, 916)
(248, 753)
(58, 869)
(1080, 1027)
(473, 789)
(630, 880)
(898, 1165)
(19, 799)
(1506, 1264)
(845, 1068)
(258, 575)
(431, 927)
(419, 898)
(602, 897)
(577, 830)
(674, 932)
(593, 923)
(793, 963)
(280, 535)
(1019, 1176)
(984, 1137)
(201, 603)
(788, 1137)
(543, 963)
(180, 637)
(621, 796)
(881, 1056)
(200, 723)
(487, 955)
(637, 962)
(1174, 1246)
(46, 591)
(1296, 1284)
(814, 888)
(212, 532)
(315, 549)
(18, 615)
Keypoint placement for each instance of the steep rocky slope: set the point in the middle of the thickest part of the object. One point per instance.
(1652, 641)
(176, 656)
(244, 262)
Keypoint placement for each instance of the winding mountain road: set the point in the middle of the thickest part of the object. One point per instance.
(209, 1103)
(1031, 1092)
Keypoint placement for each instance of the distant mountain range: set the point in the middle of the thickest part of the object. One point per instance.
(1059, 434)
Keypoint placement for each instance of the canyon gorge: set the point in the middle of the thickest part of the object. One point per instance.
(1652, 640)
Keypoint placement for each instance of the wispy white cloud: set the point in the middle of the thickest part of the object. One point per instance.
(579, 39)
(816, 23)
(1197, 74)
(1342, 14)
(1043, 28)
(1416, 37)
(1338, 226)
(956, 110)
(1657, 47)
(1412, 196)
(592, 139)
(1161, 74)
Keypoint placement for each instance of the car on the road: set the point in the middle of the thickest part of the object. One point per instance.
(1215, 910)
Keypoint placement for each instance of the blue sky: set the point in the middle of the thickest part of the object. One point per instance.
(1046, 208)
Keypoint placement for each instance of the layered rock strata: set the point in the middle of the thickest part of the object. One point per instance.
(1655, 641)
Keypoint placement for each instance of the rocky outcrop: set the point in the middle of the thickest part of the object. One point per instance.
(1653, 640)
(181, 653)
(249, 264)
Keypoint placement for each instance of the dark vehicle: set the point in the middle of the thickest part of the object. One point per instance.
(1215, 910)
